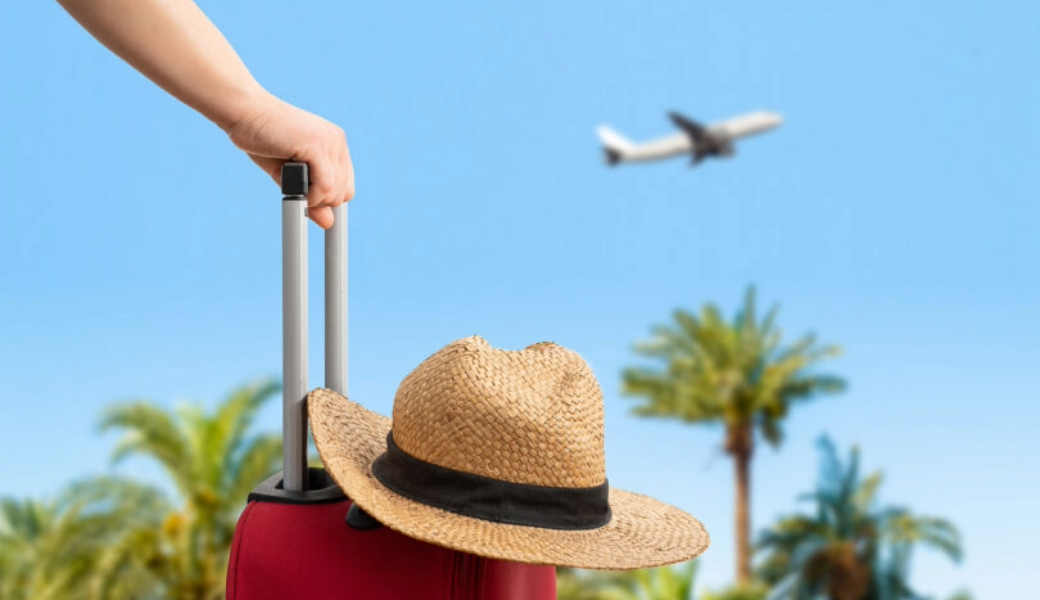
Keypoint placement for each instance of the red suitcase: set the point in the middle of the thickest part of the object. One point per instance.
(299, 537)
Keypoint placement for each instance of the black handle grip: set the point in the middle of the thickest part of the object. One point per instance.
(295, 179)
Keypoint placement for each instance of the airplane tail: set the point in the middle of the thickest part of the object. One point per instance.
(615, 145)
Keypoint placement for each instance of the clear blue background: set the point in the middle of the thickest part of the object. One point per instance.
(895, 213)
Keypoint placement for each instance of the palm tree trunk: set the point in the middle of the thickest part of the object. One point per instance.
(739, 445)
(743, 464)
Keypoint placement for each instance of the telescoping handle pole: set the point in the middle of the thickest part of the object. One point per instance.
(295, 182)
(336, 303)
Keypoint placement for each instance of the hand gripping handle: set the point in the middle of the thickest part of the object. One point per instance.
(295, 183)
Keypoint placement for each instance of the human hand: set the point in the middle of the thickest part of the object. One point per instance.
(273, 132)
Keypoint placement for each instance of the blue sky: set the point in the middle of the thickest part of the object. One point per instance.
(893, 213)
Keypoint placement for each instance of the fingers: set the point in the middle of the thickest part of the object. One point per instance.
(347, 167)
(322, 216)
(332, 184)
(332, 172)
(323, 172)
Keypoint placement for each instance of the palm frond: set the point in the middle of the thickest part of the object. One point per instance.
(737, 372)
(235, 416)
(258, 460)
(150, 430)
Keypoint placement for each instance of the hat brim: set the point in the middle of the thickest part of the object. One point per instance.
(643, 532)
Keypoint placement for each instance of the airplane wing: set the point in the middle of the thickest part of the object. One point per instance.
(695, 130)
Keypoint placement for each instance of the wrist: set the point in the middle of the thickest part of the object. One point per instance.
(243, 106)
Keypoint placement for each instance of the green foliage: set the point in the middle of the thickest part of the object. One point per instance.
(213, 462)
(111, 538)
(663, 583)
(754, 591)
(738, 373)
(850, 548)
(67, 549)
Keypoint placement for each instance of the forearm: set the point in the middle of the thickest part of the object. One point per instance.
(173, 43)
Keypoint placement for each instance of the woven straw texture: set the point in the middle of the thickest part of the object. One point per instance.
(532, 416)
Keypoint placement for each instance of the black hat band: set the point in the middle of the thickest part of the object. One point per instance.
(490, 499)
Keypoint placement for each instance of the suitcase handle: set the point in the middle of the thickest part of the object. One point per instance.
(295, 184)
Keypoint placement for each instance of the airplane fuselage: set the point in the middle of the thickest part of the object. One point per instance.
(696, 140)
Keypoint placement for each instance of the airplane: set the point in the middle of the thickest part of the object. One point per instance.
(696, 139)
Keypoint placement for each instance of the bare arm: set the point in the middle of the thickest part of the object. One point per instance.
(173, 43)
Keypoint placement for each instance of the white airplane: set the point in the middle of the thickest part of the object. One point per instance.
(696, 139)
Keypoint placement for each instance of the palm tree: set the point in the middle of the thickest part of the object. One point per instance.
(59, 549)
(213, 461)
(663, 583)
(736, 374)
(850, 549)
(125, 565)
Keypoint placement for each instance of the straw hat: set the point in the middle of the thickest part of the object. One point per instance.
(500, 454)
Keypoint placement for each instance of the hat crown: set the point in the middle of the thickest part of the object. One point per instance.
(532, 416)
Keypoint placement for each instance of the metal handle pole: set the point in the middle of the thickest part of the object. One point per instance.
(336, 303)
(294, 326)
